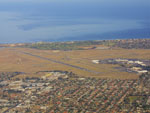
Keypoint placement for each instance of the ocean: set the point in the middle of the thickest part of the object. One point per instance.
(22, 22)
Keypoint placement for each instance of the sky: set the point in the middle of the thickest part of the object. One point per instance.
(66, 20)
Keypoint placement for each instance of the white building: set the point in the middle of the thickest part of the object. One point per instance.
(95, 61)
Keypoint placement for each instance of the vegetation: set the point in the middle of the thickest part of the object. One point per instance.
(77, 45)
(81, 45)
(62, 45)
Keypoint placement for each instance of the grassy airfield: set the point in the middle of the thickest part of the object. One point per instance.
(13, 59)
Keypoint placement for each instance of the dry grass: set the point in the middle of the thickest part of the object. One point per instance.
(12, 60)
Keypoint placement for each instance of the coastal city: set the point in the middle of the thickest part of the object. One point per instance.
(74, 56)
(93, 79)
(64, 91)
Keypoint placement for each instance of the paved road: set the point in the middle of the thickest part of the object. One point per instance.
(59, 62)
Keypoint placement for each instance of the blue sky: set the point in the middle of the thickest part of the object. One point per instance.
(57, 20)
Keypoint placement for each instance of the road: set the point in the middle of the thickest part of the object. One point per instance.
(59, 62)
